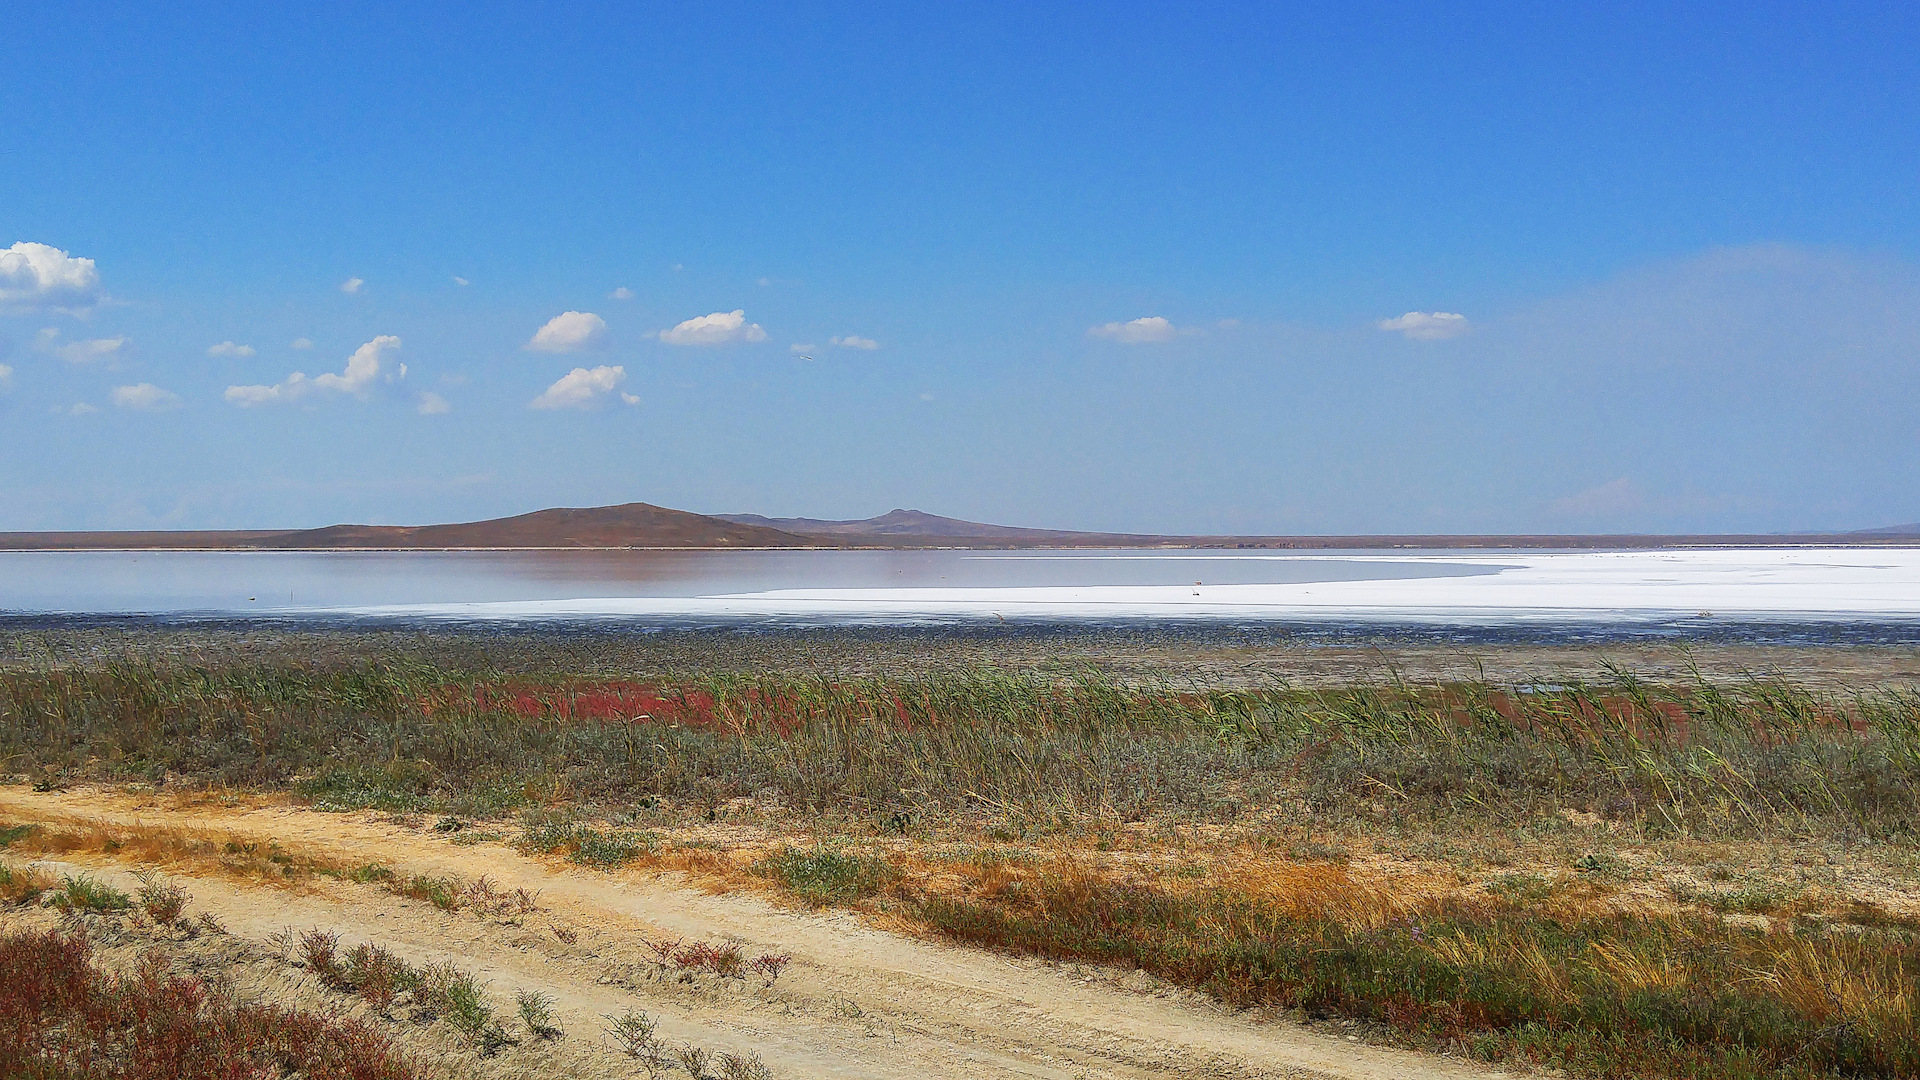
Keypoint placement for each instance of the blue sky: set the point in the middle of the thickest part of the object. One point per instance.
(1097, 266)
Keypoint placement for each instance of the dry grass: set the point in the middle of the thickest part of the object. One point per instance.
(1501, 871)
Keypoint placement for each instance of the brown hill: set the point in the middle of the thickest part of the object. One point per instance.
(633, 525)
(897, 525)
(629, 525)
(642, 525)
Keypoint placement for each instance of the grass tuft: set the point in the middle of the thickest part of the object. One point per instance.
(86, 893)
(827, 875)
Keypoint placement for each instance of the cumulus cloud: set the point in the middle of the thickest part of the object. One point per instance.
(570, 331)
(367, 365)
(79, 352)
(855, 341)
(621, 293)
(78, 408)
(1428, 325)
(719, 328)
(300, 343)
(580, 388)
(351, 285)
(228, 348)
(460, 281)
(41, 277)
(145, 397)
(1151, 330)
(432, 404)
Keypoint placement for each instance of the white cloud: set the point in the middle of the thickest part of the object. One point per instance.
(570, 331)
(300, 343)
(855, 341)
(765, 281)
(79, 408)
(36, 276)
(366, 366)
(621, 293)
(579, 388)
(432, 404)
(798, 349)
(228, 348)
(351, 285)
(630, 399)
(719, 328)
(1151, 330)
(6, 374)
(460, 281)
(1428, 325)
(145, 397)
(80, 352)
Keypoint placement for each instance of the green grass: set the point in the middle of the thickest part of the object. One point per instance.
(584, 844)
(86, 893)
(827, 875)
(1037, 754)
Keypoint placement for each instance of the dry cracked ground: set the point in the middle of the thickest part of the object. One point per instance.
(857, 1001)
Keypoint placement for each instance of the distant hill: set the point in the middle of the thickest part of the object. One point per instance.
(917, 524)
(643, 525)
(632, 525)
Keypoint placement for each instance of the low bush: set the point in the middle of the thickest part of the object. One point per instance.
(536, 1012)
(163, 902)
(61, 1018)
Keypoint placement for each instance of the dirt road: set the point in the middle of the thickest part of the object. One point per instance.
(856, 1002)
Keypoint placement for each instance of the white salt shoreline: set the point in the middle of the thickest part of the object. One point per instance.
(1624, 586)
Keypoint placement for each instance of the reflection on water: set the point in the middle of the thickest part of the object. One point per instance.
(233, 582)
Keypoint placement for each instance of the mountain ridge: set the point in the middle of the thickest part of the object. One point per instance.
(640, 525)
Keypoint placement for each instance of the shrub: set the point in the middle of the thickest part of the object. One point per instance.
(319, 951)
(536, 1011)
(162, 902)
(63, 1019)
(377, 975)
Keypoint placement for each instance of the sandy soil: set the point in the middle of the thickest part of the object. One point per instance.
(858, 1001)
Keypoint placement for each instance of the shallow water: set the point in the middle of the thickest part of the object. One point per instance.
(1695, 592)
(290, 583)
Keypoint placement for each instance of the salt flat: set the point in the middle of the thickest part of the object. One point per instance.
(1750, 583)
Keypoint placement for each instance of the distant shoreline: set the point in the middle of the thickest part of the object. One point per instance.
(11, 543)
(645, 527)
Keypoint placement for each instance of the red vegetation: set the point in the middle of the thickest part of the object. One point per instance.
(62, 1017)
